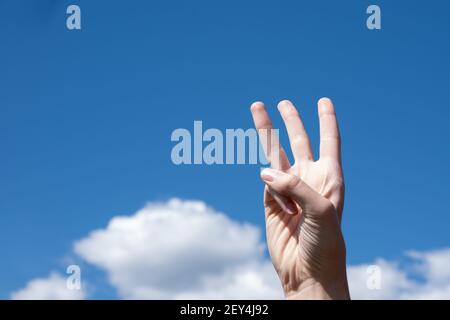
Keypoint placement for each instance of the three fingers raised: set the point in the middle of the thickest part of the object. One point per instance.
(330, 142)
(283, 186)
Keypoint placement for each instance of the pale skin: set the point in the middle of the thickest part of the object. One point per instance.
(303, 206)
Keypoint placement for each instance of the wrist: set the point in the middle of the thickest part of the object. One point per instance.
(315, 289)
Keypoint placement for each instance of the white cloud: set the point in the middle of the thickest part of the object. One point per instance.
(187, 250)
(392, 281)
(51, 288)
(426, 276)
(435, 265)
(181, 249)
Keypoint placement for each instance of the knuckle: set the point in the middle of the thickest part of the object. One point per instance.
(292, 182)
(337, 184)
(299, 140)
(291, 115)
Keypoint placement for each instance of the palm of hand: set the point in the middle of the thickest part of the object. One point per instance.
(307, 246)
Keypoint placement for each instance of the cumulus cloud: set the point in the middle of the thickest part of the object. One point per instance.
(380, 280)
(187, 250)
(53, 287)
(426, 275)
(181, 249)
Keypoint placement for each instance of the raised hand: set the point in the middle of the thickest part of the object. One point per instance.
(303, 206)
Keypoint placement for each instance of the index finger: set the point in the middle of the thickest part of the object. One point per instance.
(263, 123)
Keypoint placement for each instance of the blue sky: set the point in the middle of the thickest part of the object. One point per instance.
(86, 116)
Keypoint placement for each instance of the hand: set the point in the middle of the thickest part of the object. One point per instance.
(303, 206)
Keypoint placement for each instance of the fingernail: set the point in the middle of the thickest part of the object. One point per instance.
(325, 105)
(267, 175)
(291, 208)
